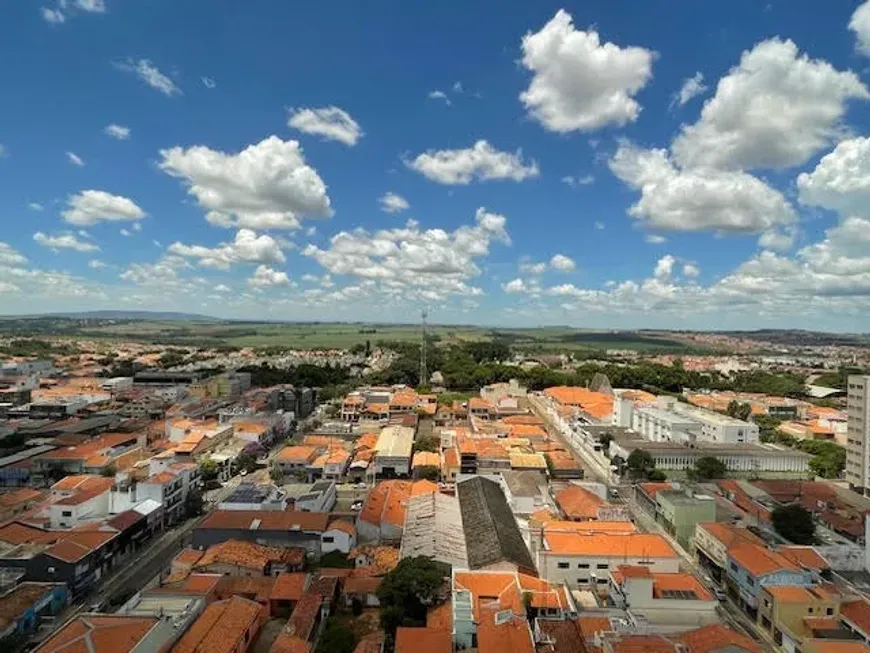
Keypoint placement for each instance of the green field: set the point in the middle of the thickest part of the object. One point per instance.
(312, 335)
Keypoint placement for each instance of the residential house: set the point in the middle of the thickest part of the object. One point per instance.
(288, 589)
(23, 606)
(265, 527)
(15, 502)
(426, 464)
(92, 456)
(293, 461)
(584, 560)
(321, 497)
(362, 590)
(855, 617)
(792, 614)
(383, 514)
(339, 536)
(229, 626)
(662, 598)
(752, 567)
(712, 541)
(108, 633)
(244, 558)
(525, 491)
(578, 503)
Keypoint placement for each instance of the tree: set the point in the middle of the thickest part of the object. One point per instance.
(193, 504)
(640, 461)
(604, 440)
(246, 461)
(276, 474)
(794, 523)
(336, 560)
(336, 638)
(829, 458)
(427, 443)
(208, 469)
(767, 427)
(738, 409)
(109, 471)
(430, 474)
(406, 592)
(708, 467)
(656, 475)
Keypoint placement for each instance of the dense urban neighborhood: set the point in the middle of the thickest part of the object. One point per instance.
(210, 500)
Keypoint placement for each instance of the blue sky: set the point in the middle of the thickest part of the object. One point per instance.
(598, 164)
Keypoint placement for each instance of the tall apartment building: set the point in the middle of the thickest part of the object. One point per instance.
(858, 433)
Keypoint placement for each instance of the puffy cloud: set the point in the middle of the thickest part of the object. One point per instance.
(265, 186)
(774, 110)
(562, 263)
(697, 199)
(247, 247)
(162, 274)
(6, 287)
(151, 75)
(841, 180)
(392, 203)
(439, 95)
(480, 162)
(515, 286)
(692, 87)
(411, 263)
(578, 82)
(331, 123)
(9, 256)
(92, 206)
(530, 267)
(75, 159)
(64, 240)
(117, 131)
(265, 277)
(777, 239)
(221, 287)
(691, 270)
(664, 267)
(860, 24)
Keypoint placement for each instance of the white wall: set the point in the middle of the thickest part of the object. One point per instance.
(548, 567)
(341, 541)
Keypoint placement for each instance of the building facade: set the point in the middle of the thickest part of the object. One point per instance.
(858, 433)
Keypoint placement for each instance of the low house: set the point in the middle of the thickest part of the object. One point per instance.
(288, 589)
(712, 541)
(22, 607)
(339, 536)
(383, 514)
(525, 491)
(229, 626)
(320, 497)
(426, 464)
(662, 598)
(791, 614)
(267, 527)
(251, 496)
(584, 560)
(578, 503)
(679, 513)
(293, 461)
(752, 567)
(104, 633)
(243, 558)
(362, 590)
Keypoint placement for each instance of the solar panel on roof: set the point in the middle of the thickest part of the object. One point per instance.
(688, 595)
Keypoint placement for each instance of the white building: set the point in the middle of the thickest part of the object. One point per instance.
(585, 560)
(117, 383)
(662, 598)
(321, 497)
(80, 507)
(858, 433)
(393, 451)
(340, 536)
(743, 458)
(672, 421)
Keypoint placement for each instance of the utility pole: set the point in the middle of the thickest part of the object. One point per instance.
(424, 377)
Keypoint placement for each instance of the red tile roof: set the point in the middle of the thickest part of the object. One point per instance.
(289, 586)
(424, 640)
(266, 520)
(222, 627)
(717, 637)
(579, 503)
(858, 613)
(98, 634)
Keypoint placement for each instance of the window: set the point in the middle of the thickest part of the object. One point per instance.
(602, 566)
(328, 539)
(562, 565)
(583, 565)
(67, 513)
(734, 567)
(829, 611)
(750, 581)
(602, 581)
(582, 581)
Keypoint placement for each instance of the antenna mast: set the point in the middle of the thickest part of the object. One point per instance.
(424, 377)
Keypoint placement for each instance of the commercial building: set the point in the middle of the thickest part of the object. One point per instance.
(267, 527)
(669, 420)
(712, 541)
(790, 614)
(433, 528)
(23, 606)
(679, 513)
(672, 598)
(382, 517)
(858, 433)
(752, 567)
(393, 451)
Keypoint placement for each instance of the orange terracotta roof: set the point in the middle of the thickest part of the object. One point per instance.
(611, 545)
(301, 622)
(653, 488)
(18, 533)
(523, 419)
(75, 545)
(579, 503)
(805, 557)
(98, 634)
(423, 640)
(379, 560)
(387, 501)
(377, 409)
(643, 644)
(267, 520)
(596, 404)
(857, 612)
(19, 496)
(451, 458)
(592, 526)
(729, 535)
(426, 459)
(362, 584)
(514, 636)
(343, 526)
(163, 478)
(296, 454)
(366, 440)
(531, 431)
(496, 589)
(717, 637)
(679, 582)
(289, 586)
(591, 626)
(287, 643)
(222, 627)
(404, 399)
(790, 593)
(758, 560)
(241, 553)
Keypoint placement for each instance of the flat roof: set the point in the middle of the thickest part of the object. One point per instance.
(711, 448)
(395, 442)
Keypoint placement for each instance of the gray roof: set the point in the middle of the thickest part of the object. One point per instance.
(491, 532)
(525, 483)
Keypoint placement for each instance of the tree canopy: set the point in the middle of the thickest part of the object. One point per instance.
(738, 409)
(406, 592)
(829, 458)
(794, 523)
(707, 468)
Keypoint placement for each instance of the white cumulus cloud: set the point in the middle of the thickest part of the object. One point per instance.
(860, 24)
(775, 109)
(268, 185)
(697, 199)
(247, 247)
(392, 203)
(562, 263)
(10, 256)
(841, 180)
(265, 277)
(64, 240)
(692, 87)
(580, 83)
(664, 267)
(480, 162)
(89, 207)
(331, 123)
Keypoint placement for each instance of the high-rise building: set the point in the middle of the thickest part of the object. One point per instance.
(858, 433)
